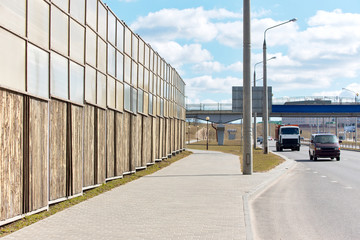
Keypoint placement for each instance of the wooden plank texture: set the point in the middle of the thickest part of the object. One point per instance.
(101, 146)
(146, 134)
(11, 154)
(120, 144)
(110, 144)
(77, 149)
(134, 142)
(57, 149)
(38, 154)
(88, 146)
(126, 143)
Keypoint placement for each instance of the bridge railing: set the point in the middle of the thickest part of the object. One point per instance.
(333, 99)
(209, 107)
(278, 101)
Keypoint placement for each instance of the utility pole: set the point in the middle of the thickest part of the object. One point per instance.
(247, 92)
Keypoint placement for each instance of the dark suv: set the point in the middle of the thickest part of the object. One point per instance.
(324, 145)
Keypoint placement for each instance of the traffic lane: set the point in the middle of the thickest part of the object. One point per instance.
(345, 171)
(304, 204)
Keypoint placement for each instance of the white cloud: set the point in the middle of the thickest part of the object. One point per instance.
(178, 55)
(193, 23)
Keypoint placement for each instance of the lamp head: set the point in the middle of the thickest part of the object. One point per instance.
(293, 20)
(207, 118)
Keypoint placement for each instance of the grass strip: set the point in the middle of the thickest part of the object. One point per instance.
(28, 220)
(261, 162)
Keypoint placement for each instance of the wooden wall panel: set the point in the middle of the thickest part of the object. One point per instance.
(161, 135)
(146, 148)
(176, 139)
(38, 154)
(77, 114)
(11, 154)
(156, 137)
(168, 136)
(153, 139)
(57, 149)
(110, 144)
(101, 149)
(134, 142)
(88, 178)
(120, 144)
(140, 141)
(172, 135)
(183, 134)
(126, 142)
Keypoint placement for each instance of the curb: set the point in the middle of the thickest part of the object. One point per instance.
(280, 171)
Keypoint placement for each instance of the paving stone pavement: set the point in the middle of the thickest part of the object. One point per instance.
(198, 197)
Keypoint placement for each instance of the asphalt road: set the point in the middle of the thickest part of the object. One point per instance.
(314, 200)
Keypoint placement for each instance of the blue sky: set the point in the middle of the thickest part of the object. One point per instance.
(316, 56)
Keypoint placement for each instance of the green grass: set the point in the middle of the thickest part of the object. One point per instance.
(261, 162)
(28, 220)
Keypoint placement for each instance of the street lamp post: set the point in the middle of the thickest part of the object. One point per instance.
(207, 133)
(265, 91)
(189, 134)
(197, 133)
(255, 113)
(356, 95)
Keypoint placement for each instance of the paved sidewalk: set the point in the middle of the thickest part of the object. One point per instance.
(198, 197)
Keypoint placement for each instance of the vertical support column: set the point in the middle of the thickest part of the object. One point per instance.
(247, 92)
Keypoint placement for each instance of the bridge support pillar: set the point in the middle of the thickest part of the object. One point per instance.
(220, 129)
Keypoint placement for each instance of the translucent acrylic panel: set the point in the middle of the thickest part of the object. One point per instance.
(135, 47)
(151, 104)
(146, 103)
(77, 10)
(102, 19)
(140, 101)
(12, 61)
(128, 40)
(90, 47)
(37, 71)
(155, 69)
(120, 96)
(141, 77)
(161, 107)
(119, 66)
(111, 92)
(90, 84)
(111, 60)
(127, 97)
(101, 89)
(151, 60)
(134, 73)
(147, 58)
(76, 83)
(12, 15)
(59, 31)
(38, 23)
(141, 51)
(133, 100)
(111, 28)
(77, 43)
(146, 79)
(59, 76)
(91, 13)
(63, 4)
(158, 106)
(101, 55)
(127, 69)
(120, 36)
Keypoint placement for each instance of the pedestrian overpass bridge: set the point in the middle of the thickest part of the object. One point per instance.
(224, 112)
